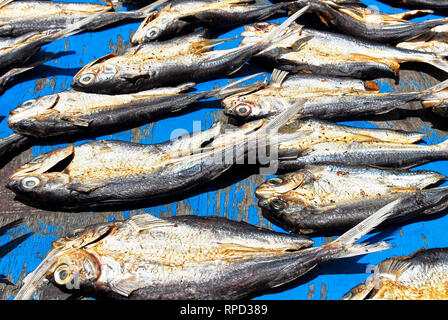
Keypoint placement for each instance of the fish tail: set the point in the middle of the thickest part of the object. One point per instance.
(439, 62)
(436, 95)
(232, 88)
(443, 146)
(280, 33)
(147, 9)
(345, 245)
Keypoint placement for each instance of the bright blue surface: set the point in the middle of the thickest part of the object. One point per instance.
(329, 281)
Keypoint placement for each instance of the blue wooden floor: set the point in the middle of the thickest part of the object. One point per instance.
(329, 281)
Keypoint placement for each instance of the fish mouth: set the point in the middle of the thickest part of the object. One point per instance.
(12, 185)
(264, 193)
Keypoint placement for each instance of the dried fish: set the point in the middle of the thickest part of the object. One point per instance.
(375, 153)
(334, 197)
(324, 99)
(143, 69)
(334, 54)
(179, 15)
(22, 17)
(70, 113)
(373, 25)
(323, 131)
(419, 276)
(100, 173)
(435, 41)
(18, 50)
(187, 257)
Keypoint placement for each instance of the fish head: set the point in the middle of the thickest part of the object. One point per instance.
(159, 24)
(247, 106)
(361, 291)
(280, 185)
(278, 197)
(43, 177)
(97, 75)
(74, 269)
(27, 117)
(69, 263)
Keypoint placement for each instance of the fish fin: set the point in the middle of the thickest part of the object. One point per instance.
(393, 266)
(437, 88)
(443, 146)
(346, 242)
(277, 78)
(299, 43)
(127, 285)
(149, 8)
(77, 121)
(86, 187)
(146, 221)
(164, 91)
(371, 86)
(404, 16)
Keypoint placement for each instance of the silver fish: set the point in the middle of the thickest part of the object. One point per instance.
(187, 257)
(143, 69)
(375, 153)
(22, 17)
(334, 54)
(373, 25)
(333, 197)
(100, 173)
(16, 51)
(180, 15)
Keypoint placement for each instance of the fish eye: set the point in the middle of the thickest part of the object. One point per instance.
(62, 274)
(87, 78)
(30, 182)
(243, 110)
(76, 233)
(152, 33)
(28, 103)
(275, 181)
(278, 204)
